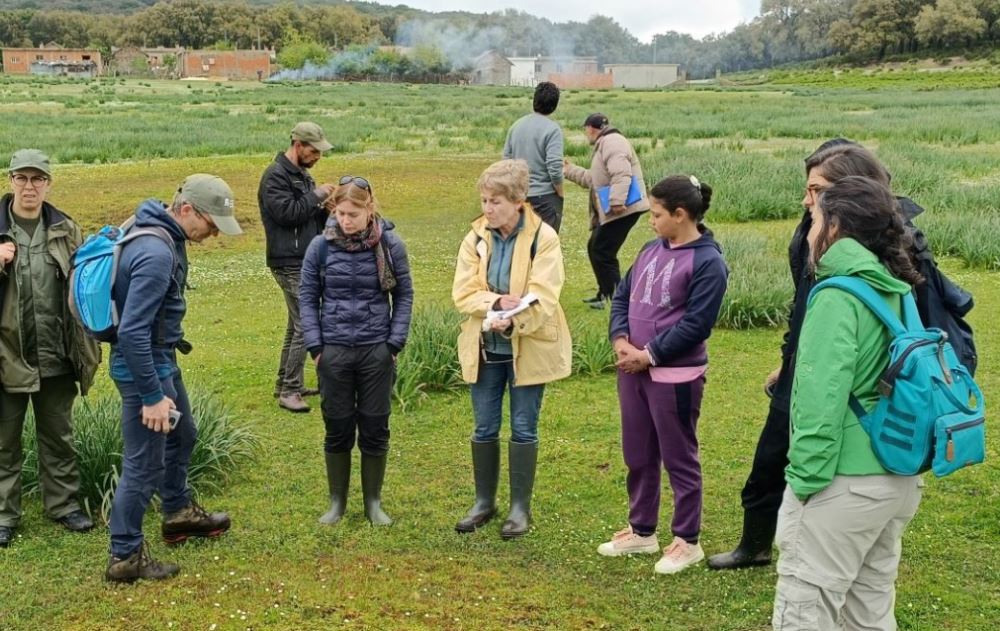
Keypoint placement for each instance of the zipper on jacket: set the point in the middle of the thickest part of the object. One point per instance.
(949, 452)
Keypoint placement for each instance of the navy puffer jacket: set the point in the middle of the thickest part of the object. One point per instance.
(343, 304)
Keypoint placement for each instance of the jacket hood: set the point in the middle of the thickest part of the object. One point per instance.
(153, 212)
(909, 208)
(847, 257)
(706, 240)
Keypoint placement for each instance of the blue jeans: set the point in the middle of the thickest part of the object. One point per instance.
(152, 462)
(487, 404)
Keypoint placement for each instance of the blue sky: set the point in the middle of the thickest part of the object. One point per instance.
(643, 18)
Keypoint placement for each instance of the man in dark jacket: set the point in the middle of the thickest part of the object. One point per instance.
(44, 352)
(940, 303)
(291, 210)
(157, 426)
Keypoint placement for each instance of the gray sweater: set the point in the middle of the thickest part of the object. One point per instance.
(538, 140)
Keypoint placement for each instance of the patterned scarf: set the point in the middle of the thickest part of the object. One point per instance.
(368, 239)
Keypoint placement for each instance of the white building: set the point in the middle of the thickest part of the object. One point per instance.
(643, 75)
(523, 71)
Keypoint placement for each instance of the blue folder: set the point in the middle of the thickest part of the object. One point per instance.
(604, 195)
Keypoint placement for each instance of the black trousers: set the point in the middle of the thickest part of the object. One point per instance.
(602, 249)
(766, 483)
(355, 385)
(549, 207)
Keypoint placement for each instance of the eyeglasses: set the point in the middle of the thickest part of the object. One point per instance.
(20, 180)
(360, 182)
(204, 217)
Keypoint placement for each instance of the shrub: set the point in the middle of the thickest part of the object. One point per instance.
(430, 361)
(221, 448)
(759, 290)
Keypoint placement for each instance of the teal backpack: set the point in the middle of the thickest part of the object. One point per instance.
(931, 413)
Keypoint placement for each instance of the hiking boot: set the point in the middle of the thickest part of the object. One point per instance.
(372, 476)
(338, 477)
(77, 521)
(754, 548)
(679, 556)
(310, 392)
(293, 402)
(522, 459)
(193, 521)
(6, 536)
(627, 542)
(139, 565)
(486, 474)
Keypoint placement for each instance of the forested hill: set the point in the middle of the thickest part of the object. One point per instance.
(786, 31)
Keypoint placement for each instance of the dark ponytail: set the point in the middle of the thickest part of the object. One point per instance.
(865, 210)
(683, 191)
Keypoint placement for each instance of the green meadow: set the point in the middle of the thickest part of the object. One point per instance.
(423, 147)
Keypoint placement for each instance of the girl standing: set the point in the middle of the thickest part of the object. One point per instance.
(661, 315)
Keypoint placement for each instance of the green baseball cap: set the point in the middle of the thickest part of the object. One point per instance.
(211, 195)
(30, 159)
(312, 134)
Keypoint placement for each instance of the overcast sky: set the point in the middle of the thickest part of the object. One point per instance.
(643, 18)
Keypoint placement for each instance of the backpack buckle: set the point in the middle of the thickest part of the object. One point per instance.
(884, 388)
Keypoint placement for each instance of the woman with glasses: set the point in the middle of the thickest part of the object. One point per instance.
(356, 299)
(509, 261)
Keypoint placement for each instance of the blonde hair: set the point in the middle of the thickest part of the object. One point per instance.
(354, 194)
(508, 178)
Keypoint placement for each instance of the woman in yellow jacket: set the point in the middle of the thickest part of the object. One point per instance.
(510, 258)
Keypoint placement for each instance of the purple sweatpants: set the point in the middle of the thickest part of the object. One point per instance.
(658, 426)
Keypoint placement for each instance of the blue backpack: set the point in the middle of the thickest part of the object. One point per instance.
(92, 277)
(931, 413)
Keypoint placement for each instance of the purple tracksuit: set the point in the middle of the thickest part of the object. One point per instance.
(667, 303)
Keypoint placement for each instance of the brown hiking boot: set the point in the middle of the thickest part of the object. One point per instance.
(139, 565)
(293, 402)
(193, 521)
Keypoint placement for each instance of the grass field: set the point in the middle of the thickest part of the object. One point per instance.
(423, 147)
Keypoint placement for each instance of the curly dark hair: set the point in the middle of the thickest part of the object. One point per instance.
(865, 210)
(546, 98)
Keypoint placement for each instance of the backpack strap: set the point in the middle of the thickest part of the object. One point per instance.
(131, 234)
(871, 299)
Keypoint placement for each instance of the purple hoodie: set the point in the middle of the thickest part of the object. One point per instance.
(669, 300)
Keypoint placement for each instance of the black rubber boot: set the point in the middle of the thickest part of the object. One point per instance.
(486, 472)
(372, 476)
(522, 459)
(755, 546)
(338, 477)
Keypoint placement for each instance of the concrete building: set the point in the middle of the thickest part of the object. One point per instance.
(77, 69)
(643, 75)
(491, 68)
(522, 71)
(225, 64)
(20, 60)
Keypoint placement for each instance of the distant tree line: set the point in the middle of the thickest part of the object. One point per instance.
(786, 30)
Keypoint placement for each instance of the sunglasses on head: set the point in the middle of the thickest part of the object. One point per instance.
(360, 182)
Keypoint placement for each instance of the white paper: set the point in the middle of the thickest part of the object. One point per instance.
(492, 316)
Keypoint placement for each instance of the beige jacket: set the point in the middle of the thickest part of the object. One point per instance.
(541, 341)
(614, 162)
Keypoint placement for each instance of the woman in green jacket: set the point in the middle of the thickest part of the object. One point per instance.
(843, 515)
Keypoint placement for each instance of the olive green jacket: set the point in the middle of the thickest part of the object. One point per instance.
(16, 374)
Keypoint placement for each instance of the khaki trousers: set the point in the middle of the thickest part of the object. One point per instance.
(839, 554)
(58, 475)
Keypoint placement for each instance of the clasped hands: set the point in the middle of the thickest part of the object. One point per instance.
(629, 358)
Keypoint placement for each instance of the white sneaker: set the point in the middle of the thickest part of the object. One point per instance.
(678, 556)
(627, 542)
